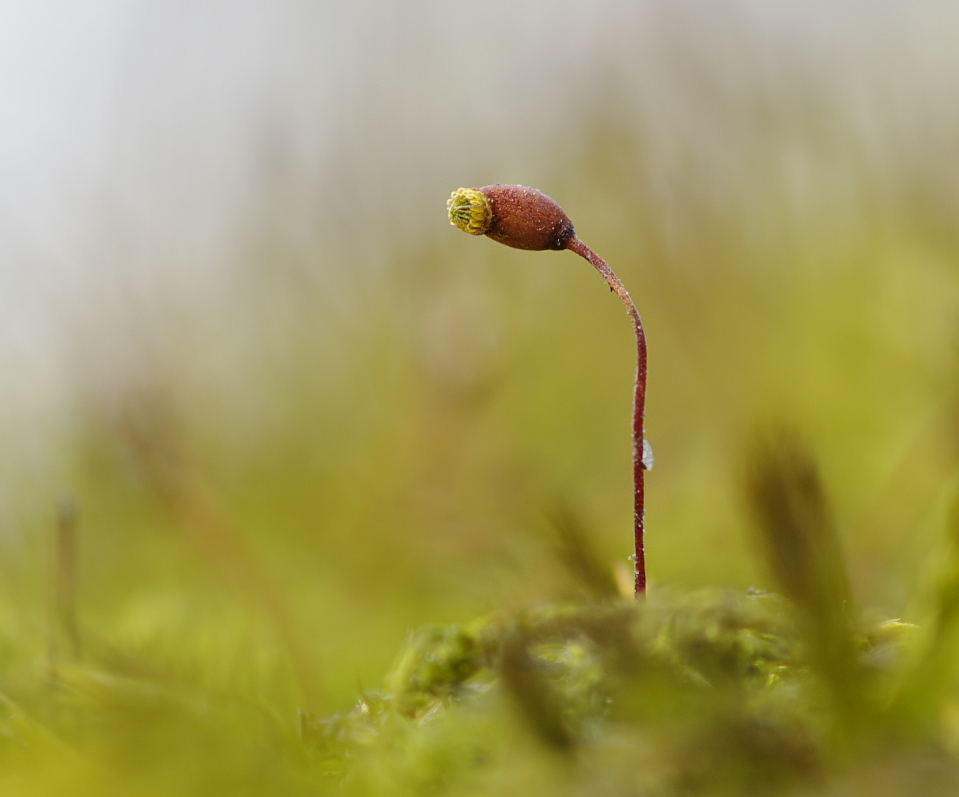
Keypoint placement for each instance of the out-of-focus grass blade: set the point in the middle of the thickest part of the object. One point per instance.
(804, 557)
(931, 673)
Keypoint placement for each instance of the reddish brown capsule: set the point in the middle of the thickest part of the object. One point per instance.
(515, 215)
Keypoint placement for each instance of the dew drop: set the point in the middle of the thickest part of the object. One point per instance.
(648, 459)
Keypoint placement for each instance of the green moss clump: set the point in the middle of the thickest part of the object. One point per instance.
(689, 693)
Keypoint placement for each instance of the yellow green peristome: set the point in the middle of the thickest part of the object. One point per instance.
(470, 210)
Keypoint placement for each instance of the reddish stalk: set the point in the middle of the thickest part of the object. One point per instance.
(574, 244)
(524, 218)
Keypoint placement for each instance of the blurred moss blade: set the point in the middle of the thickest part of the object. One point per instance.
(805, 559)
(927, 681)
(525, 682)
(576, 550)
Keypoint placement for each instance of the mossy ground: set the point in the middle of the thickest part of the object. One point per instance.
(709, 692)
(705, 692)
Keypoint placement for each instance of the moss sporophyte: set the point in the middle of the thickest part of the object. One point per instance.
(525, 218)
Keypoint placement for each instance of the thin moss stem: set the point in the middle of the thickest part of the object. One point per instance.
(574, 244)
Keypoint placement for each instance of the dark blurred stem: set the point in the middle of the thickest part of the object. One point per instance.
(65, 574)
(639, 404)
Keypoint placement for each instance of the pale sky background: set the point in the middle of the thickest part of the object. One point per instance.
(137, 137)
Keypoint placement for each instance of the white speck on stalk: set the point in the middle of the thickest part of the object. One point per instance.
(648, 459)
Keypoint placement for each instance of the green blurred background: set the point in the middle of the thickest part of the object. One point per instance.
(299, 414)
